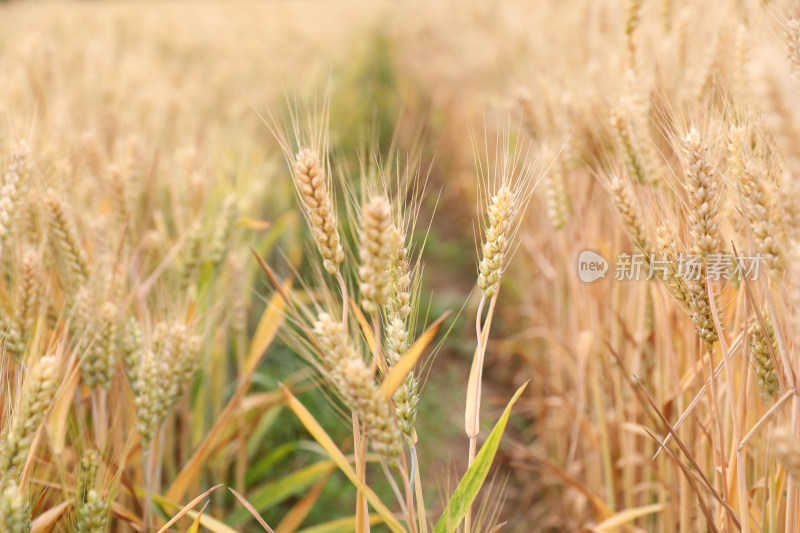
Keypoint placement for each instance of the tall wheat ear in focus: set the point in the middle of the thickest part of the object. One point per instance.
(357, 319)
(505, 188)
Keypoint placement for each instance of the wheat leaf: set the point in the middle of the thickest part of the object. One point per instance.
(473, 479)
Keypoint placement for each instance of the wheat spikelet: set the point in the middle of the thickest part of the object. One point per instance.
(742, 55)
(791, 36)
(81, 318)
(15, 515)
(223, 229)
(700, 311)
(93, 514)
(398, 308)
(633, 163)
(30, 282)
(150, 396)
(636, 105)
(556, 198)
(66, 236)
(762, 346)
(13, 339)
(666, 14)
(500, 217)
(196, 181)
(165, 347)
(631, 22)
(665, 245)
(151, 245)
(238, 294)
(92, 510)
(38, 390)
(758, 196)
(98, 363)
(156, 385)
(626, 206)
(406, 398)
(786, 450)
(93, 153)
(131, 347)
(702, 188)
(162, 373)
(764, 218)
(89, 465)
(399, 302)
(133, 164)
(356, 384)
(19, 323)
(193, 255)
(375, 249)
(120, 196)
(31, 220)
(11, 193)
(396, 340)
(186, 353)
(311, 182)
(789, 204)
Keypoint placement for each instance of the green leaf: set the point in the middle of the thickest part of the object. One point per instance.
(402, 368)
(258, 469)
(340, 525)
(473, 479)
(271, 494)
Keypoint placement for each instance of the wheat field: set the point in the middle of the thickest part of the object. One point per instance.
(329, 266)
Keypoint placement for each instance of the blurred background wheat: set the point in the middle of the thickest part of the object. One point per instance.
(194, 193)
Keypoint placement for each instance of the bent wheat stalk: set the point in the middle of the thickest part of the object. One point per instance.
(511, 192)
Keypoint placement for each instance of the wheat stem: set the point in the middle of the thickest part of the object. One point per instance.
(343, 289)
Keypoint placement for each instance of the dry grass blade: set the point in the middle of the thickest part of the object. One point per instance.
(252, 510)
(128, 516)
(267, 328)
(400, 370)
(599, 507)
(279, 287)
(366, 329)
(691, 477)
(186, 508)
(705, 481)
(472, 411)
(741, 477)
(621, 518)
(685, 414)
(48, 519)
(340, 525)
(767, 417)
